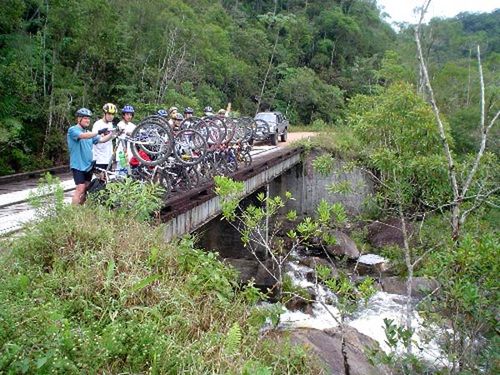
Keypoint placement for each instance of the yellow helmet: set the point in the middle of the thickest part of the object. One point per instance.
(109, 108)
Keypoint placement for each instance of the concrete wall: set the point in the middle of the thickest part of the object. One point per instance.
(308, 187)
(191, 220)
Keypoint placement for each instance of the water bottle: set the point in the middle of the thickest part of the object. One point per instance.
(122, 163)
(122, 160)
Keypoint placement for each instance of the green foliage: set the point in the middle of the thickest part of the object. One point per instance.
(48, 198)
(57, 57)
(90, 291)
(230, 192)
(131, 198)
(400, 140)
(324, 164)
(398, 339)
(309, 96)
(233, 339)
(349, 295)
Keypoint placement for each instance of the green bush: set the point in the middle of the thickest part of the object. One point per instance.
(92, 291)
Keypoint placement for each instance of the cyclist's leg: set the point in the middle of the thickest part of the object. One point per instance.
(82, 179)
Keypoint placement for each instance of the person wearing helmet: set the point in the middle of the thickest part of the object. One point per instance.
(208, 111)
(188, 112)
(126, 126)
(177, 120)
(104, 152)
(172, 113)
(221, 113)
(162, 112)
(80, 142)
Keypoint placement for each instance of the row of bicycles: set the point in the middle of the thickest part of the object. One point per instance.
(182, 157)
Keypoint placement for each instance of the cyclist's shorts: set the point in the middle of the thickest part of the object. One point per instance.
(80, 177)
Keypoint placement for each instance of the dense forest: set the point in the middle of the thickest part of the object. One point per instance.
(97, 289)
(305, 58)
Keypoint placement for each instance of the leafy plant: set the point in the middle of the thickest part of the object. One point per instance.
(131, 197)
(48, 198)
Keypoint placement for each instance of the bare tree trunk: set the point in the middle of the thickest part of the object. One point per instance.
(267, 72)
(442, 134)
(44, 46)
(457, 218)
(51, 105)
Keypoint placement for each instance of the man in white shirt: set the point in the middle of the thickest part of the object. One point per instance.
(103, 152)
(126, 127)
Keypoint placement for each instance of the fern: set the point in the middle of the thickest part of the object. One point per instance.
(233, 339)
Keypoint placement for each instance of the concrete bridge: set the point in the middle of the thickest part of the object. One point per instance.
(187, 212)
(184, 212)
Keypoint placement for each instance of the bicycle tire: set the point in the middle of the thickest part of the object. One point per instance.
(190, 147)
(154, 139)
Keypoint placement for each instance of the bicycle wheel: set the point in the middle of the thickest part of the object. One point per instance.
(151, 143)
(190, 147)
(231, 127)
(190, 123)
(211, 131)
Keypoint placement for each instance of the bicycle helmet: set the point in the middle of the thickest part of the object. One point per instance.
(179, 117)
(84, 112)
(162, 113)
(208, 109)
(172, 109)
(188, 110)
(109, 108)
(128, 109)
(221, 112)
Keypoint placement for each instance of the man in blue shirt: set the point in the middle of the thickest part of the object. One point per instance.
(80, 143)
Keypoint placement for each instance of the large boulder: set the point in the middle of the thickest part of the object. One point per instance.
(372, 264)
(343, 246)
(420, 286)
(387, 233)
(327, 346)
(249, 269)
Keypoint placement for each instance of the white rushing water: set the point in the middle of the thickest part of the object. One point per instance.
(369, 319)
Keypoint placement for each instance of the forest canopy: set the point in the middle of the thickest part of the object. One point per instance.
(310, 56)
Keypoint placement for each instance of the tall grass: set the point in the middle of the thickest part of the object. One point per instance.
(89, 291)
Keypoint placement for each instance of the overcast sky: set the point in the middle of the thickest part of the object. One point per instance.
(402, 10)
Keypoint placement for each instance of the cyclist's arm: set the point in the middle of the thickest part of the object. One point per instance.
(87, 135)
(105, 138)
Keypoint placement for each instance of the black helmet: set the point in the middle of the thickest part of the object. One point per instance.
(188, 110)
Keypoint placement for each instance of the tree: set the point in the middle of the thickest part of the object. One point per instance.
(460, 192)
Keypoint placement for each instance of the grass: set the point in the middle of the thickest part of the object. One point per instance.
(88, 291)
(337, 140)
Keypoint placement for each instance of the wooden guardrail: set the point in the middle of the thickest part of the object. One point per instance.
(33, 174)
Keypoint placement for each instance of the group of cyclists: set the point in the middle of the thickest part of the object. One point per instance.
(94, 148)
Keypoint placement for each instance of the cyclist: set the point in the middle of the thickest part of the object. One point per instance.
(188, 112)
(80, 142)
(177, 122)
(126, 126)
(221, 113)
(126, 123)
(172, 113)
(162, 112)
(104, 152)
(208, 111)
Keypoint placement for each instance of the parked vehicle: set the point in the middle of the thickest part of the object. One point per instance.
(271, 126)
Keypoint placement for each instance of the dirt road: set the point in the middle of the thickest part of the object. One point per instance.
(292, 137)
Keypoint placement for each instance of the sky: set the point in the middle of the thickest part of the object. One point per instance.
(402, 10)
